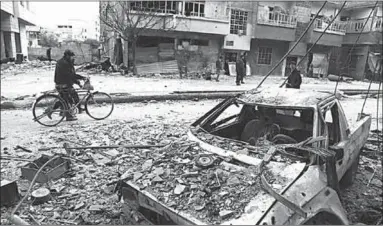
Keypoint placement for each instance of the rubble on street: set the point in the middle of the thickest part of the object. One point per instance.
(26, 66)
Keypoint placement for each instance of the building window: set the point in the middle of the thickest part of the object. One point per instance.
(195, 8)
(229, 43)
(264, 55)
(238, 22)
(196, 42)
(155, 6)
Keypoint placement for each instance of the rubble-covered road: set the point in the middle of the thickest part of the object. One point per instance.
(82, 196)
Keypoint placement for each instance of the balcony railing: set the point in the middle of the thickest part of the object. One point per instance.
(276, 19)
(356, 26)
(378, 22)
(337, 27)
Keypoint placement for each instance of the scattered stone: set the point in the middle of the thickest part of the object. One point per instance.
(233, 180)
(179, 189)
(157, 179)
(79, 206)
(113, 153)
(225, 213)
(96, 208)
(159, 171)
(137, 175)
(147, 165)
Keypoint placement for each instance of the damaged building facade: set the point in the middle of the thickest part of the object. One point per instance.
(263, 30)
(15, 16)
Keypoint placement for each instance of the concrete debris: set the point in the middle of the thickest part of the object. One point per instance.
(12, 67)
(179, 189)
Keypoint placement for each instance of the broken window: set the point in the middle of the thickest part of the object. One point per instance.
(332, 122)
(238, 22)
(228, 116)
(264, 55)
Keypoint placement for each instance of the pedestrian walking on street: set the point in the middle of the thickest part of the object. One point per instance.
(295, 79)
(218, 66)
(65, 77)
(240, 69)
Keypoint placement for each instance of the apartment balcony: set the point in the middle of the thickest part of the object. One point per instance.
(275, 26)
(332, 37)
(196, 23)
(337, 27)
(202, 24)
(371, 34)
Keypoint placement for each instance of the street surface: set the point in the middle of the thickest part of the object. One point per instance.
(35, 82)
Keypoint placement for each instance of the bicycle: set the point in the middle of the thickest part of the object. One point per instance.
(51, 105)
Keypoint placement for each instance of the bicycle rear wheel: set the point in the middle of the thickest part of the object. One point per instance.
(99, 105)
(49, 110)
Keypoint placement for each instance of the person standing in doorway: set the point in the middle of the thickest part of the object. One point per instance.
(240, 69)
(49, 54)
(310, 72)
(218, 66)
(245, 68)
(295, 79)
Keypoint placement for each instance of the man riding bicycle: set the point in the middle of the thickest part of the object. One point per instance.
(65, 77)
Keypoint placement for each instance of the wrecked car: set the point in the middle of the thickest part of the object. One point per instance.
(275, 156)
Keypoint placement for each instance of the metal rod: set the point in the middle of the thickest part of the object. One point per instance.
(296, 43)
(308, 51)
(353, 46)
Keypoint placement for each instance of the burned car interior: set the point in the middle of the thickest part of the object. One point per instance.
(248, 122)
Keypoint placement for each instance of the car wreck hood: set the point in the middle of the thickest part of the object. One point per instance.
(280, 176)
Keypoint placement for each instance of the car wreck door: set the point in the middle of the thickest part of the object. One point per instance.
(336, 131)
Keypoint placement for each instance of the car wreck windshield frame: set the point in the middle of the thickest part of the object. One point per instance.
(214, 113)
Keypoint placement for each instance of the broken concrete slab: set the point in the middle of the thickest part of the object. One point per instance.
(179, 189)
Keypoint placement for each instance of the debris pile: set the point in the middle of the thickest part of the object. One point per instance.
(211, 193)
(12, 67)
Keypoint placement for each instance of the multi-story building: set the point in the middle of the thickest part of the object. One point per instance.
(366, 56)
(15, 16)
(77, 29)
(33, 36)
(264, 30)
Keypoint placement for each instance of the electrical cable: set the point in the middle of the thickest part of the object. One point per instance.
(308, 51)
(353, 46)
(292, 48)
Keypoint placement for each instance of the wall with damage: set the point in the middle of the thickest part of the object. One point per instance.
(215, 9)
(279, 49)
(83, 52)
(200, 56)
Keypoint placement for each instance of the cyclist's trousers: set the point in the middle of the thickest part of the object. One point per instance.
(69, 94)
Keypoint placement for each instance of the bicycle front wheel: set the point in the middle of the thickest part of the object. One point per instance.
(99, 105)
(49, 110)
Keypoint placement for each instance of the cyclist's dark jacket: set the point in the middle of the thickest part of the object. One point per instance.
(65, 73)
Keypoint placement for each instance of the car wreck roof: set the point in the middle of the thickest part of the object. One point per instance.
(284, 97)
